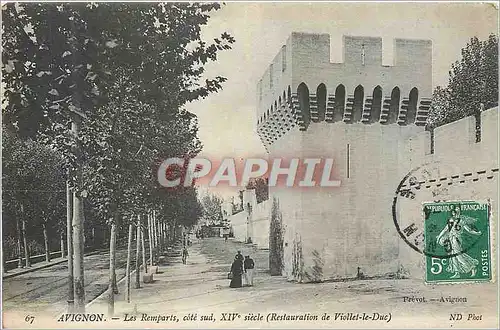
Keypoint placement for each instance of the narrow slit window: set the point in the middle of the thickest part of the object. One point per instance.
(283, 59)
(348, 160)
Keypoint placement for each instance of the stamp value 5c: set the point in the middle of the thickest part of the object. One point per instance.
(457, 241)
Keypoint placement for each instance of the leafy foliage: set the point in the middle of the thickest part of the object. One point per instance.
(276, 239)
(212, 208)
(34, 188)
(473, 81)
(126, 71)
(261, 186)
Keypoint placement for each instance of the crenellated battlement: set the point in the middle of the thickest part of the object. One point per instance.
(301, 86)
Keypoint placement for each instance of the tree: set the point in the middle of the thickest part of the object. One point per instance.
(473, 81)
(127, 70)
(440, 107)
(261, 186)
(33, 177)
(212, 208)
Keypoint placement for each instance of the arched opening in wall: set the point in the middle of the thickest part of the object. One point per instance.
(303, 95)
(284, 96)
(411, 114)
(339, 106)
(357, 107)
(279, 100)
(321, 99)
(267, 114)
(289, 98)
(392, 116)
(376, 105)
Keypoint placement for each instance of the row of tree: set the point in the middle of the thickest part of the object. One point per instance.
(102, 88)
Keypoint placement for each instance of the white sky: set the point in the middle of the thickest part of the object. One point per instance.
(227, 119)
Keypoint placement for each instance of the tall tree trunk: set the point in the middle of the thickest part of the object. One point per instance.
(153, 236)
(62, 245)
(129, 252)
(25, 240)
(150, 234)
(78, 231)
(158, 234)
(144, 263)
(160, 230)
(168, 234)
(46, 242)
(172, 233)
(155, 230)
(164, 236)
(69, 238)
(137, 254)
(112, 257)
(19, 248)
(25, 243)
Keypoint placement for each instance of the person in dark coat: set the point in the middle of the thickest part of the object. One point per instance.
(237, 272)
(239, 256)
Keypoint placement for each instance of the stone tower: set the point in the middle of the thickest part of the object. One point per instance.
(360, 113)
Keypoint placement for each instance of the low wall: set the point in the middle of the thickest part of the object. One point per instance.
(252, 223)
(260, 221)
(239, 224)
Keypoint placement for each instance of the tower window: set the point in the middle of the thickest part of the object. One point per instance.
(348, 160)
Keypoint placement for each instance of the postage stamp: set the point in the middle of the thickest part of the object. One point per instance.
(457, 241)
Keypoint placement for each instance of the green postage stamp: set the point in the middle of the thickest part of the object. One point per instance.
(457, 241)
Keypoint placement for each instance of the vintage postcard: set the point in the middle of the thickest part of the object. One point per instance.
(250, 165)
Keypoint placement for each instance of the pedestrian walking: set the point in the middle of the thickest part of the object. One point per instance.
(185, 254)
(249, 266)
(236, 273)
(239, 256)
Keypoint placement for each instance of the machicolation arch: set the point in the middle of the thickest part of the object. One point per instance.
(358, 105)
(339, 107)
(375, 106)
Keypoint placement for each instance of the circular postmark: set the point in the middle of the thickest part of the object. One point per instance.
(429, 215)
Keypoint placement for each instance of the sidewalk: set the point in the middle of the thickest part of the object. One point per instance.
(41, 265)
(200, 285)
(37, 266)
(201, 288)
